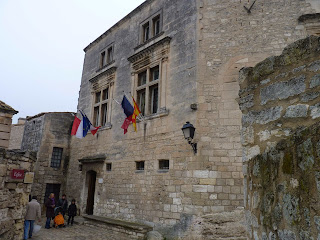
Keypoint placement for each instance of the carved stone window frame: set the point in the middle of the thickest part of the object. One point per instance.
(104, 80)
(155, 55)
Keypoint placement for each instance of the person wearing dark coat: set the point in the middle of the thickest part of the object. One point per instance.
(72, 211)
(50, 205)
(63, 203)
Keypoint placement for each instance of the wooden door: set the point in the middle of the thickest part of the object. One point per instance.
(91, 190)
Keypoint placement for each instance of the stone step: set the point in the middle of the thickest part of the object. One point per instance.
(121, 227)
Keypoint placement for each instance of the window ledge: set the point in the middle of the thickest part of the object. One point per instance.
(163, 170)
(161, 113)
(139, 171)
(149, 40)
(106, 127)
(106, 66)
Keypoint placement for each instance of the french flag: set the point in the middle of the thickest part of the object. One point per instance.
(80, 128)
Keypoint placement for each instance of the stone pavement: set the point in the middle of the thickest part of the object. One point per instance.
(75, 232)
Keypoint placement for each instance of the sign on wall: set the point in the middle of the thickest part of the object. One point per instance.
(17, 174)
(28, 178)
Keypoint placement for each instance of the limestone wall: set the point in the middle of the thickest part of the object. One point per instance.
(279, 100)
(16, 134)
(14, 194)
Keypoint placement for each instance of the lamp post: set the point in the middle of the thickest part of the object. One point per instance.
(188, 131)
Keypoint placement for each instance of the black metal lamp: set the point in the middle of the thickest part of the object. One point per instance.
(188, 131)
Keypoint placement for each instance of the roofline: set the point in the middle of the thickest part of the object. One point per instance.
(117, 24)
(43, 113)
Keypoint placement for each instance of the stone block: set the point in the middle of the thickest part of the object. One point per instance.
(315, 81)
(11, 186)
(315, 111)
(262, 117)
(200, 188)
(314, 66)
(208, 181)
(201, 173)
(296, 111)
(283, 90)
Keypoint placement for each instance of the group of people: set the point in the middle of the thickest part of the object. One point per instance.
(54, 211)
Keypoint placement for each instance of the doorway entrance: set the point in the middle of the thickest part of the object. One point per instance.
(91, 180)
(52, 188)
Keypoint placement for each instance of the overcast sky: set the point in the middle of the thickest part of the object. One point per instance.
(41, 45)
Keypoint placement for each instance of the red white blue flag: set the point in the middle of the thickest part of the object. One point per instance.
(80, 128)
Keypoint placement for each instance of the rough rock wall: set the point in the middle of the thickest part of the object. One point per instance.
(16, 135)
(279, 99)
(14, 194)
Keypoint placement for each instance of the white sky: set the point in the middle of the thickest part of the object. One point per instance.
(41, 46)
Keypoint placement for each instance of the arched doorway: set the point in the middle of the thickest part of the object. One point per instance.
(91, 181)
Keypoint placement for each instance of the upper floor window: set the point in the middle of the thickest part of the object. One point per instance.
(106, 57)
(151, 27)
(101, 107)
(56, 157)
(110, 55)
(148, 90)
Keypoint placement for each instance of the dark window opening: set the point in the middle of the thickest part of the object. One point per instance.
(104, 114)
(96, 116)
(164, 164)
(110, 55)
(52, 188)
(98, 94)
(109, 167)
(145, 29)
(140, 165)
(156, 25)
(105, 94)
(154, 99)
(102, 59)
(56, 157)
(142, 101)
(142, 78)
(154, 73)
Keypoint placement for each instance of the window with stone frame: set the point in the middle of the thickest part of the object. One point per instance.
(102, 59)
(109, 55)
(151, 27)
(106, 57)
(56, 157)
(149, 71)
(101, 107)
(140, 165)
(148, 90)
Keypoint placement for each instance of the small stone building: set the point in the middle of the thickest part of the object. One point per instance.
(48, 134)
(6, 113)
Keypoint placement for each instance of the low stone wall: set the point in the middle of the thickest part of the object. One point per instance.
(14, 193)
(279, 100)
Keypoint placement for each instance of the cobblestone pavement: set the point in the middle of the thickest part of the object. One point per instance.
(75, 232)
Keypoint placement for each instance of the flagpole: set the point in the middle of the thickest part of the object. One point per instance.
(140, 117)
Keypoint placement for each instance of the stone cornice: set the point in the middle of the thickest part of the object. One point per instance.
(149, 49)
(107, 72)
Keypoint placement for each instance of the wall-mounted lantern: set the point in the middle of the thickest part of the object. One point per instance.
(188, 131)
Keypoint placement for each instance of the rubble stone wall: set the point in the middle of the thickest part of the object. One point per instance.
(279, 100)
(14, 194)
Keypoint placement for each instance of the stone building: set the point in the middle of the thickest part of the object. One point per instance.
(16, 134)
(48, 134)
(180, 61)
(6, 113)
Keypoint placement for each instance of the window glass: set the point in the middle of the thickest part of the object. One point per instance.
(142, 78)
(163, 164)
(96, 116)
(110, 55)
(142, 100)
(105, 94)
(153, 99)
(109, 167)
(56, 157)
(97, 98)
(156, 25)
(104, 114)
(102, 59)
(146, 32)
(154, 73)
(140, 165)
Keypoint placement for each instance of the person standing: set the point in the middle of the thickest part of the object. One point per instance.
(63, 203)
(72, 211)
(33, 212)
(50, 204)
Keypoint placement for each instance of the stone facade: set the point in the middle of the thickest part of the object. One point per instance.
(16, 134)
(14, 193)
(200, 49)
(280, 104)
(6, 113)
(44, 133)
